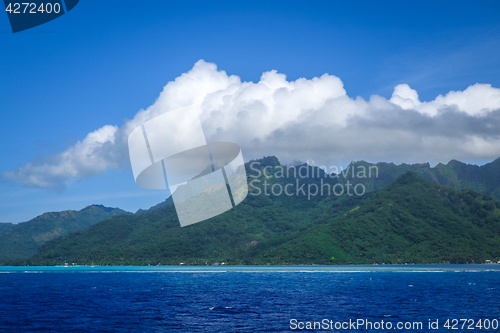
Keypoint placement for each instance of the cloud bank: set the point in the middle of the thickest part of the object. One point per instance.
(302, 120)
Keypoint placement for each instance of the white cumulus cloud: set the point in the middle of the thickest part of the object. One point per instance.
(306, 119)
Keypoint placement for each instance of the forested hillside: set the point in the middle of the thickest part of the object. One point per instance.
(411, 220)
(23, 239)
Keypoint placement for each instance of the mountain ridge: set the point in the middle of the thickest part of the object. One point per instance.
(5, 226)
(458, 175)
(274, 220)
(300, 230)
(22, 240)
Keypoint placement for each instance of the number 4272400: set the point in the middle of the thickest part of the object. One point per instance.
(31, 8)
(470, 324)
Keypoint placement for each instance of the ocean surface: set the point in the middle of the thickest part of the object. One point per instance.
(251, 299)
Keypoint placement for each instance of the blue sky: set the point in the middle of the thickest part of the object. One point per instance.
(104, 61)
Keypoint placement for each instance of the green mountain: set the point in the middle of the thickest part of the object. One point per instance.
(23, 239)
(5, 226)
(409, 220)
(483, 179)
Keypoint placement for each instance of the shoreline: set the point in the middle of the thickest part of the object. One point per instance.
(262, 268)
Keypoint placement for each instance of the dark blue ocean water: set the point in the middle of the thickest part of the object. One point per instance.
(231, 299)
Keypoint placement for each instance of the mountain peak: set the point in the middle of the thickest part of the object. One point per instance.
(102, 207)
(267, 161)
(22, 240)
(455, 163)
